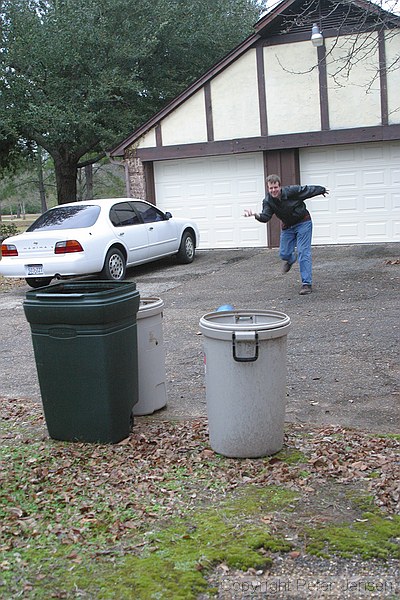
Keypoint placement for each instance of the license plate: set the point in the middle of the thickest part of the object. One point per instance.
(34, 269)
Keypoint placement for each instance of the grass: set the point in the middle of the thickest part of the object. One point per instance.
(153, 517)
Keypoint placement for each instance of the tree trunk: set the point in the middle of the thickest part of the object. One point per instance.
(66, 172)
(42, 191)
(89, 182)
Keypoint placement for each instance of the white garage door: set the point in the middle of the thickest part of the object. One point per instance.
(214, 191)
(364, 201)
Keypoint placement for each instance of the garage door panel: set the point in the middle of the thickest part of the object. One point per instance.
(395, 176)
(204, 236)
(364, 203)
(373, 177)
(347, 180)
(247, 187)
(198, 190)
(346, 204)
(214, 192)
(371, 153)
(200, 213)
(173, 191)
(348, 232)
(221, 188)
(376, 203)
(322, 233)
(223, 211)
(319, 205)
(343, 154)
(374, 230)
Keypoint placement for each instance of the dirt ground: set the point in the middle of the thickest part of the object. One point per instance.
(343, 345)
(343, 379)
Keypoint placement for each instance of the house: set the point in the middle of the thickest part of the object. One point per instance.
(327, 114)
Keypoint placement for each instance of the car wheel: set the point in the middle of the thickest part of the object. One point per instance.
(186, 249)
(37, 282)
(114, 265)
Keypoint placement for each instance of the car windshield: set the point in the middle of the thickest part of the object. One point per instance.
(66, 217)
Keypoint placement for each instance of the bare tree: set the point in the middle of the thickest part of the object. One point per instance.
(355, 30)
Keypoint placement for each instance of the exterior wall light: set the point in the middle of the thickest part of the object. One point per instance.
(317, 38)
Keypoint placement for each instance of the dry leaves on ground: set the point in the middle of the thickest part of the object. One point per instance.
(142, 471)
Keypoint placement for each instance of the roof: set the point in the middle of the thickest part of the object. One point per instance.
(289, 18)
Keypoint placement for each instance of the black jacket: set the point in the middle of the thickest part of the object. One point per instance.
(290, 207)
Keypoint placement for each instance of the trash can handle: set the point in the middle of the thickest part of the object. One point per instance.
(244, 358)
(44, 295)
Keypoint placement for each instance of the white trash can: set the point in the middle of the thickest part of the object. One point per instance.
(245, 372)
(152, 389)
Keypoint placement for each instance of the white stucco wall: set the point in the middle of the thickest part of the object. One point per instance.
(392, 48)
(292, 88)
(353, 84)
(234, 94)
(187, 124)
(148, 140)
(292, 92)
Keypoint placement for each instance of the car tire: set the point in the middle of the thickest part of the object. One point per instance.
(114, 265)
(37, 282)
(187, 248)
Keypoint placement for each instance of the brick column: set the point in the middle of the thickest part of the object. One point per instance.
(136, 179)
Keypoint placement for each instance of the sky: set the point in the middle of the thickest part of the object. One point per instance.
(389, 5)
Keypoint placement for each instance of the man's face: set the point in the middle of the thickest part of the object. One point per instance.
(274, 189)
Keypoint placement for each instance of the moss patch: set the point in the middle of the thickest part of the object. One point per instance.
(291, 456)
(372, 536)
(172, 562)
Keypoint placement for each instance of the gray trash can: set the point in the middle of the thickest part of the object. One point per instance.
(245, 372)
(151, 357)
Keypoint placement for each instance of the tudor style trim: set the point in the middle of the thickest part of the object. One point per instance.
(275, 142)
(383, 79)
(323, 88)
(262, 97)
(267, 33)
(209, 114)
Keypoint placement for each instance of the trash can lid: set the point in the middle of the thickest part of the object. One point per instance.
(149, 307)
(219, 324)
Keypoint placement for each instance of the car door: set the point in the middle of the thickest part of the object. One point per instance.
(162, 231)
(132, 232)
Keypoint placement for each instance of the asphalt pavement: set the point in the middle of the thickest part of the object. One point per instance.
(343, 345)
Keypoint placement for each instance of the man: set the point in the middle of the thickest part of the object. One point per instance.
(287, 203)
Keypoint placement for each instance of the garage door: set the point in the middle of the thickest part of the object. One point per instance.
(214, 191)
(364, 201)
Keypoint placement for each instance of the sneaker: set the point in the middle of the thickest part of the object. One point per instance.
(286, 267)
(305, 289)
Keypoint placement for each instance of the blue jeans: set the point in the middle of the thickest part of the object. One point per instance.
(298, 236)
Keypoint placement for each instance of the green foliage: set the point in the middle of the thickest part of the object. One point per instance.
(7, 230)
(77, 76)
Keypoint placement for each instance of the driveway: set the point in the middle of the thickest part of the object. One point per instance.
(343, 346)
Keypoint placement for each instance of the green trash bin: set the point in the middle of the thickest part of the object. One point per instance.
(84, 337)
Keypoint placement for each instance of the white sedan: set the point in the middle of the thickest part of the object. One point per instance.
(96, 237)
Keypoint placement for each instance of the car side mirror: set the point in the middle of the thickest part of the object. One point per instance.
(168, 215)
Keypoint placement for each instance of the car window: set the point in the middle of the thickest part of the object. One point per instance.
(122, 214)
(66, 217)
(148, 212)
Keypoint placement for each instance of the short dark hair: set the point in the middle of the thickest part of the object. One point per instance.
(273, 179)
